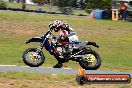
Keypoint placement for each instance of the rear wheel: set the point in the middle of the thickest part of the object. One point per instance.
(91, 60)
(33, 58)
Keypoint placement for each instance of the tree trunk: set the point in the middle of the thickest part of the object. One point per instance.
(18, 1)
(23, 4)
(51, 5)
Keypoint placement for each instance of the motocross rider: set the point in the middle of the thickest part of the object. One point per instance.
(66, 32)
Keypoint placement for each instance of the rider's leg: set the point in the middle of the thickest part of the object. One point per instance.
(59, 64)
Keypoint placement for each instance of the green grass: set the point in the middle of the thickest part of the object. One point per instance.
(44, 8)
(35, 80)
(34, 76)
(114, 38)
(30, 7)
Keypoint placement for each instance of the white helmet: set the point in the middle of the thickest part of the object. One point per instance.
(55, 25)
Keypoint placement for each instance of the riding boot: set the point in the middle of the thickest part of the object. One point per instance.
(58, 65)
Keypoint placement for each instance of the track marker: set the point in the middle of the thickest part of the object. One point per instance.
(7, 65)
(29, 66)
(54, 74)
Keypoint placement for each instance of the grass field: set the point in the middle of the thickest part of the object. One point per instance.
(114, 38)
(35, 80)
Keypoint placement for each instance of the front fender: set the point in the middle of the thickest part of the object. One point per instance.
(37, 39)
(92, 43)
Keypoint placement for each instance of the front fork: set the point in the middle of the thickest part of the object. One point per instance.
(35, 55)
(40, 47)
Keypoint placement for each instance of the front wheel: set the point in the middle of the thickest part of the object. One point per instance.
(33, 58)
(91, 60)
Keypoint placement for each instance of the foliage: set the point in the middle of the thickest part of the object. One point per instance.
(82, 4)
(65, 6)
(98, 4)
(3, 4)
(66, 10)
(65, 3)
(40, 2)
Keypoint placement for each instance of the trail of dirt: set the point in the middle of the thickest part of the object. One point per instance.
(18, 29)
(23, 31)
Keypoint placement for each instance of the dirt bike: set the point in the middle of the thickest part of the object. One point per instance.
(79, 52)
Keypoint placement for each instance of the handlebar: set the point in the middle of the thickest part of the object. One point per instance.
(48, 32)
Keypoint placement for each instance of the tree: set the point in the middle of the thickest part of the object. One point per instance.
(106, 4)
(18, 1)
(66, 3)
(51, 2)
(98, 4)
(11, 0)
(3, 4)
(66, 6)
(23, 4)
(82, 4)
(40, 2)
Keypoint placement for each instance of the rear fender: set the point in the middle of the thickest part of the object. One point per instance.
(92, 43)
